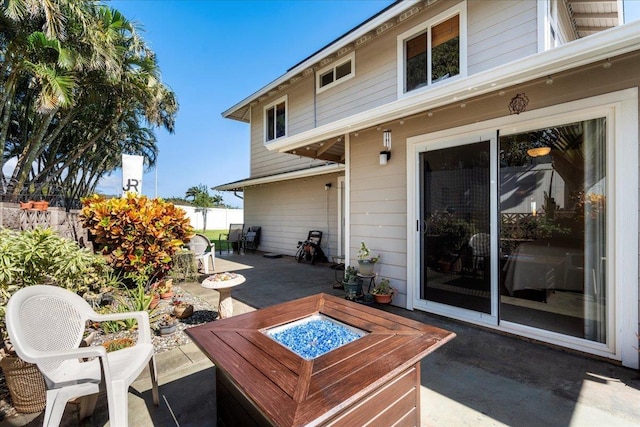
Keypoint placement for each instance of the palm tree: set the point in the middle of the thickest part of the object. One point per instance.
(202, 200)
(80, 93)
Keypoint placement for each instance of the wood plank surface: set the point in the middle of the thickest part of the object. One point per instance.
(291, 391)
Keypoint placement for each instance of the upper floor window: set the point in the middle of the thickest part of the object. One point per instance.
(431, 52)
(336, 73)
(275, 120)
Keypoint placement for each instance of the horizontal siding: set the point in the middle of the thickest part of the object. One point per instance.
(301, 106)
(373, 85)
(500, 32)
(378, 204)
(265, 162)
(287, 211)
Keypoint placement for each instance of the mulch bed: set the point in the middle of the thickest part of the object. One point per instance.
(203, 312)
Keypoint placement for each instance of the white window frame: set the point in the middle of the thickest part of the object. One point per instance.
(621, 110)
(347, 58)
(286, 119)
(459, 9)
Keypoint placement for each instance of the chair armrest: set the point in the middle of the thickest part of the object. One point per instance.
(74, 353)
(144, 327)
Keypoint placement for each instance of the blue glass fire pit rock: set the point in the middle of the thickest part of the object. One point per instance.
(315, 337)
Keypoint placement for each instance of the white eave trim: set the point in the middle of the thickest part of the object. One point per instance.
(339, 44)
(598, 47)
(302, 173)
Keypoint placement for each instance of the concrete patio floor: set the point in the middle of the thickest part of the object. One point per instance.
(481, 378)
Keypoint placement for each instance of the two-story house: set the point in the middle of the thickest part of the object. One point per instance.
(487, 150)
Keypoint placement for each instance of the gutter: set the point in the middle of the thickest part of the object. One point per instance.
(302, 173)
(599, 47)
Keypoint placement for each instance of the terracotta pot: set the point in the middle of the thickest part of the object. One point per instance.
(155, 300)
(41, 205)
(383, 299)
(26, 205)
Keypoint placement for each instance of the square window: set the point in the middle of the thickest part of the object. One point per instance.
(433, 54)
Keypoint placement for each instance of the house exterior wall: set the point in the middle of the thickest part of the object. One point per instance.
(500, 32)
(491, 23)
(288, 210)
(300, 118)
(378, 193)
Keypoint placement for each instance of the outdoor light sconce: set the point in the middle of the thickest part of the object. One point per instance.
(385, 155)
(327, 186)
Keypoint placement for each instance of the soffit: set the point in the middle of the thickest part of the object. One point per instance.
(590, 50)
(593, 16)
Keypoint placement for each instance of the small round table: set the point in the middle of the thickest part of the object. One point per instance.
(225, 305)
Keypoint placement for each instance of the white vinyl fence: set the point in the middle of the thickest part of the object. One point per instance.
(217, 218)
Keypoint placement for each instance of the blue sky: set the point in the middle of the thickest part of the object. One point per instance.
(213, 54)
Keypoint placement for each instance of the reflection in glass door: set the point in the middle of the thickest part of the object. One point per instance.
(455, 242)
(553, 191)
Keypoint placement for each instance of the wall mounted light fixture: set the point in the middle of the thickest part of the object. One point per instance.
(385, 155)
(327, 186)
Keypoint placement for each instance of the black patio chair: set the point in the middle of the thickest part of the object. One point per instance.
(251, 239)
(233, 238)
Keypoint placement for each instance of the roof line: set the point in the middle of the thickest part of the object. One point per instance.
(301, 173)
(346, 34)
(366, 26)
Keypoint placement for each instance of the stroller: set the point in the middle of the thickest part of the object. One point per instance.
(310, 249)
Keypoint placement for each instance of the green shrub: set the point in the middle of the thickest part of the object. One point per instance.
(136, 234)
(41, 256)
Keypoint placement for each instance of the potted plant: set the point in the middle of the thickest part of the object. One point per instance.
(366, 262)
(384, 292)
(167, 324)
(351, 283)
(165, 288)
(181, 308)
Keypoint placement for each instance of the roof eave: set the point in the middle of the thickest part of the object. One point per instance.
(330, 49)
(609, 43)
(301, 173)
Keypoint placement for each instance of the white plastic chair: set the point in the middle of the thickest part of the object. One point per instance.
(204, 250)
(46, 324)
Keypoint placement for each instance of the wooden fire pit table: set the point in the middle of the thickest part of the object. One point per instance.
(260, 382)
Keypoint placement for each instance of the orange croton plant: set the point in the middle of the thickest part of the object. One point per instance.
(136, 234)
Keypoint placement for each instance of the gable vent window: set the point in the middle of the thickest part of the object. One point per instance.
(275, 119)
(433, 55)
(336, 73)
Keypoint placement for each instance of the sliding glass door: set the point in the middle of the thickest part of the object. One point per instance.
(455, 238)
(553, 238)
(544, 266)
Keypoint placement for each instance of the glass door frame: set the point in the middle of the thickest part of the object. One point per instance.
(439, 308)
(623, 245)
